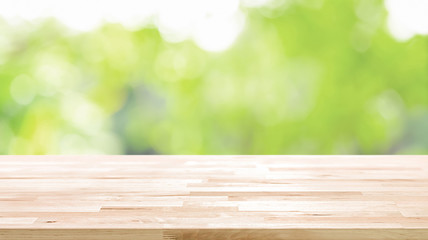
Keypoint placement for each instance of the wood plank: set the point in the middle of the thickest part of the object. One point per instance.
(213, 197)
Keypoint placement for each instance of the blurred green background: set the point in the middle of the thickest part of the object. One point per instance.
(301, 79)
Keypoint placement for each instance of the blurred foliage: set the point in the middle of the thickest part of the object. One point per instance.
(300, 79)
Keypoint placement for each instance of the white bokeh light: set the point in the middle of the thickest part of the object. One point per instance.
(407, 18)
(218, 34)
(212, 24)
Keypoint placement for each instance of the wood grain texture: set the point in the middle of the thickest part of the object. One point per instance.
(213, 197)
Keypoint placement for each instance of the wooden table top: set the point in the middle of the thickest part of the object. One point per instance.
(214, 197)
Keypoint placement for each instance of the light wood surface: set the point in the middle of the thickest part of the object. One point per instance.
(213, 197)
